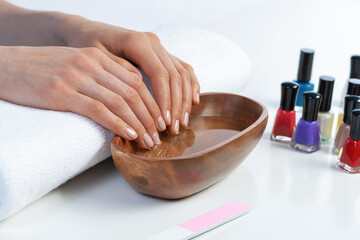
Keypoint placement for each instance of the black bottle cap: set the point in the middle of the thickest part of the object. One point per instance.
(355, 66)
(326, 86)
(305, 65)
(351, 102)
(289, 92)
(311, 102)
(355, 125)
(353, 87)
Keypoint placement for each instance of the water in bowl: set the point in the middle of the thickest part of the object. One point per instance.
(203, 132)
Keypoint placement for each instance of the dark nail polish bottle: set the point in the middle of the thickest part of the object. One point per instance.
(351, 102)
(352, 85)
(350, 153)
(285, 117)
(304, 74)
(307, 133)
(355, 67)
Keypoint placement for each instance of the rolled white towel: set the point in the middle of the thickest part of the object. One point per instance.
(42, 149)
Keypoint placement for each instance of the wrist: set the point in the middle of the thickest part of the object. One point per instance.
(67, 26)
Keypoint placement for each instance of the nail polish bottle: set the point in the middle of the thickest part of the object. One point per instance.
(304, 74)
(355, 66)
(285, 117)
(306, 137)
(353, 88)
(351, 102)
(325, 116)
(354, 73)
(350, 153)
(349, 90)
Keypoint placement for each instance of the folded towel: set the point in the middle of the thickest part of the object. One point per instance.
(42, 149)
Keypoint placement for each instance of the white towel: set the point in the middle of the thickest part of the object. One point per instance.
(41, 149)
(219, 63)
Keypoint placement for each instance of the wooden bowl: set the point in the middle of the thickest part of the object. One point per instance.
(223, 130)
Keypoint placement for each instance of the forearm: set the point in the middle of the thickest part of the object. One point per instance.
(24, 27)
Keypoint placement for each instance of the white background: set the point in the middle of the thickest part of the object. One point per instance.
(292, 195)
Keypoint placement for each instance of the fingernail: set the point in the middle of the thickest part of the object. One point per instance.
(186, 118)
(156, 138)
(161, 124)
(198, 97)
(148, 142)
(131, 134)
(177, 126)
(135, 75)
(168, 117)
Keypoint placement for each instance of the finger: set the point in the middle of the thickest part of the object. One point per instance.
(119, 107)
(133, 100)
(176, 82)
(144, 56)
(117, 86)
(97, 111)
(123, 62)
(194, 82)
(136, 83)
(186, 90)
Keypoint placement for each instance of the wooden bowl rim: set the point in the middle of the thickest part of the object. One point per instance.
(260, 119)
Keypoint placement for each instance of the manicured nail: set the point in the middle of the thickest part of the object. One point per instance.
(156, 138)
(198, 97)
(186, 119)
(131, 133)
(161, 124)
(177, 126)
(168, 117)
(148, 142)
(136, 76)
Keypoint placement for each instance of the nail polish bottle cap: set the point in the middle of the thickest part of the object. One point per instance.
(351, 102)
(355, 66)
(305, 65)
(289, 91)
(326, 86)
(355, 125)
(353, 87)
(311, 102)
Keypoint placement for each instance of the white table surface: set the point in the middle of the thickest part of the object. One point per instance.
(292, 195)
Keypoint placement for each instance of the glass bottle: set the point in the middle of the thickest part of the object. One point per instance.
(351, 102)
(306, 137)
(325, 115)
(285, 117)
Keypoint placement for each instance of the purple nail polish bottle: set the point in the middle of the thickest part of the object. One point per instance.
(306, 137)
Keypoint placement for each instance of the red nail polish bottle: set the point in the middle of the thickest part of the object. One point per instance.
(350, 153)
(285, 117)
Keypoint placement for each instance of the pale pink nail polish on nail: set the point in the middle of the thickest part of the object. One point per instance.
(135, 75)
(177, 126)
(186, 118)
(148, 142)
(168, 116)
(198, 97)
(156, 138)
(161, 124)
(131, 133)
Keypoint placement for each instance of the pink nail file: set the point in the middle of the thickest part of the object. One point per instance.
(204, 222)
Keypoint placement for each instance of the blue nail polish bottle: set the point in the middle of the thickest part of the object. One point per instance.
(304, 74)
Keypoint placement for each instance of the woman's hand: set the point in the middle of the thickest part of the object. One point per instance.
(112, 78)
(84, 81)
(174, 83)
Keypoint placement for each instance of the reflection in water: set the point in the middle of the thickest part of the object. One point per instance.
(203, 132)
